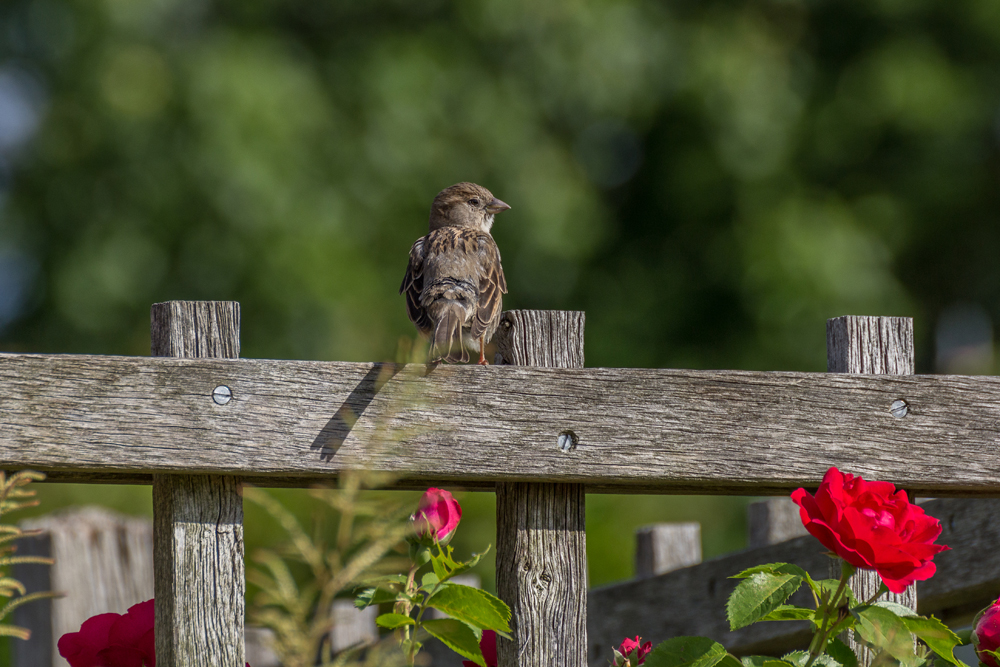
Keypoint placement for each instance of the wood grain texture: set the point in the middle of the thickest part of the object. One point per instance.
(664, 547)
(541, 338)
(882, 345)
(541, 528)
(198, 519)
(87, 418)
(195, 329)
(542, 573)
(967, 579)
(875, 345)
(199, 575)
(104, 563)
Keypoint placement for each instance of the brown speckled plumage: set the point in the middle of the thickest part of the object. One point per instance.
(454, 282)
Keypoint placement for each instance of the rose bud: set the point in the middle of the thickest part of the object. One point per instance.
(871, 525)
(632, 652)
(986, 634)
(437, 516)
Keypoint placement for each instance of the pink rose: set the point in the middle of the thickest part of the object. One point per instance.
(986, 633)
(872, 525)
(488, 645)
(634, 651)
(437, 515)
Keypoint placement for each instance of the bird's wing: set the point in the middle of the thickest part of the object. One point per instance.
(413, 286)
(492, 286)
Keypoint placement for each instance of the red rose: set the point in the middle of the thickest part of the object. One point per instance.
(488, 645)
(113, 640)
(986, 633)
(872, 525)
(437, 514)
(636, 645)
(81, 648)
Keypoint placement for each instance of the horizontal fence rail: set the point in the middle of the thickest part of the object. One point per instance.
(291, 423)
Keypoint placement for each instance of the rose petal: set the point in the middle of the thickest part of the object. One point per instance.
(871, 525)
(80, 649)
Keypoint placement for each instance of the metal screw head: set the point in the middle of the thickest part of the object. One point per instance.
(222, 394)
(899, 408)
(568, 441)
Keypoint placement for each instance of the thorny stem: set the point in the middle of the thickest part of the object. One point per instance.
(404, 607)
(819, 641)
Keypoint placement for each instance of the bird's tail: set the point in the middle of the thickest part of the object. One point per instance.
(447, 342)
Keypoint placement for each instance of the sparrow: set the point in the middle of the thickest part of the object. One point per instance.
(454, 282)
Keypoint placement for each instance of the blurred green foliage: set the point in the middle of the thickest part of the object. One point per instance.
(709, 180)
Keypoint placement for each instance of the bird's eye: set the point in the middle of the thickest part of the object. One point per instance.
(474, 201)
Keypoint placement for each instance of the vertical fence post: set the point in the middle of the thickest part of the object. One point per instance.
(773, 521)
(199, 580)
(665, 547)
(880, 346)
(541, 543)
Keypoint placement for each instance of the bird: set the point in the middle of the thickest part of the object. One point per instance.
(454, 282)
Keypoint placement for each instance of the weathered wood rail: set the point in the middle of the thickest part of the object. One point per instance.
(198, 427)
(107, 419)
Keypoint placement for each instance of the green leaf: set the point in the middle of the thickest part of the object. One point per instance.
(900, 610)
(938, 637)
(457, 636)
(439, 563)
(788, 612)
(758, 596)
(882, 630)
(830, 586)
(729, 660)
(686, 652)
(467, 565)
(429, 580)
(842, 653)
(771, 568)
(370, 596)
(393, 621)
(764, 661)
(473, 606)
(800, 658)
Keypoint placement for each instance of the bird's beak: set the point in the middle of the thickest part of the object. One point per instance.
(496, 206)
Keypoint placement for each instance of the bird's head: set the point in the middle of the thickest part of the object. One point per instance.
(465, 205)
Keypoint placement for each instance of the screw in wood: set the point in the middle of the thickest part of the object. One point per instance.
(222, 394)
(899, 408)
(568, 441)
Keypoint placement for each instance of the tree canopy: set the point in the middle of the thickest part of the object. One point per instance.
(708, 180)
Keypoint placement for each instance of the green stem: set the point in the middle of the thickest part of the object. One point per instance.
(405, 607)
(819, 641)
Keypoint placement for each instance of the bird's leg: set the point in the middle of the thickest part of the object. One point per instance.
(482, 353)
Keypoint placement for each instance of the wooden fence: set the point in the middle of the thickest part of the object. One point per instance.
(196, 421)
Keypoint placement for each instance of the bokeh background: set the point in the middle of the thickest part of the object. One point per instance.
(709, 180)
